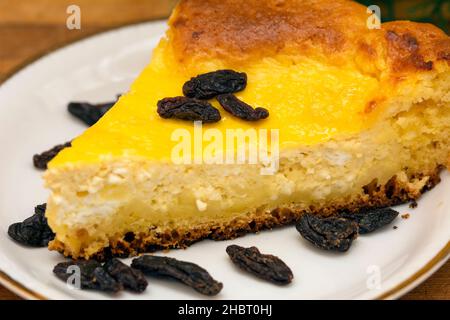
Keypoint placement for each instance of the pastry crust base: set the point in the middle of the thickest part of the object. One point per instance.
(395, 191)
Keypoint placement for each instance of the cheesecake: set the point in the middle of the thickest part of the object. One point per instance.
(357, 117)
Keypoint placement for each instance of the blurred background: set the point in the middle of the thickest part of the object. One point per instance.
(432, 11)
(29, 28)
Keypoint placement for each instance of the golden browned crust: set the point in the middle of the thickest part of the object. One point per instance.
(394, 192)
(236, 30)
(415, 46)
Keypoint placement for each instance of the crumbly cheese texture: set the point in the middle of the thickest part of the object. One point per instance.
(352, 106)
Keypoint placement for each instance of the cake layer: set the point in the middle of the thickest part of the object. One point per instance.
(181, 235)
(96, 206)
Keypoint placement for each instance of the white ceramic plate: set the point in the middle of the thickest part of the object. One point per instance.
(33, 117)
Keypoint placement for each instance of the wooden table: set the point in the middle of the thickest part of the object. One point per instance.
(31, 28)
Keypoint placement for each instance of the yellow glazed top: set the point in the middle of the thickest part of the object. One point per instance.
(309, 102)
(314, 64)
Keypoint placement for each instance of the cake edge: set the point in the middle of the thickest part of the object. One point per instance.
(396, 191)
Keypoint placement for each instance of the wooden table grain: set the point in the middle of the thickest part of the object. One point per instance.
(31, 28)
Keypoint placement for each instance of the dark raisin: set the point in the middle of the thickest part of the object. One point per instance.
(129, 237)
(188, 109)
(33, 231)
(89, 113)
(240, 109)
(209, 85)
(369, 220)
(40, 161)
(130, 278)
(86, 268)
(188, 273)
(333, 233)
(264, 266)
(105, 282)
(92, 275)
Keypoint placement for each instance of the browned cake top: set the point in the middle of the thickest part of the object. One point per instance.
(236, 30)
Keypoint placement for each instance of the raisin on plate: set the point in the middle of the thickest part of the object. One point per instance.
(369, 220)
(105, 282)
(91, 273)
(264, 266)
(33, 231)
(188, 273)
(41, 161)
(130, 278)
(332, 233)
(89, 113)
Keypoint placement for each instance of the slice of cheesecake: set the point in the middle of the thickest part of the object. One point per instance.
(359, 117)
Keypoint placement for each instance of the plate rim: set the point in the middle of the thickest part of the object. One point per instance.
(414, 280)
(22, 291)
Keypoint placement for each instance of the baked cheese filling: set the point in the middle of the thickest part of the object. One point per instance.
(341, 129)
